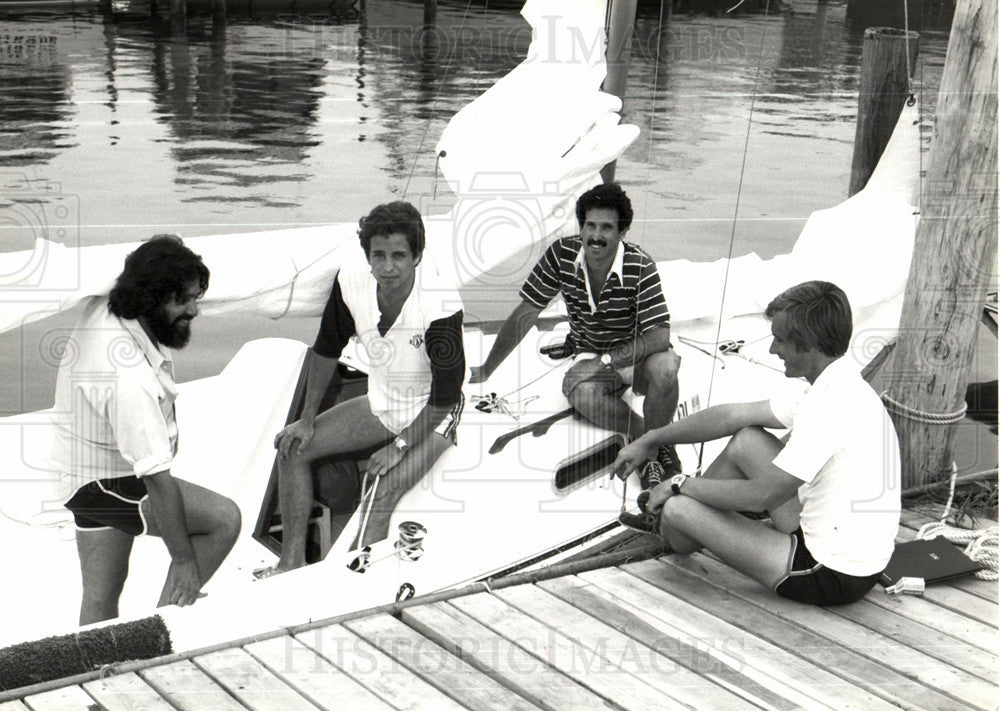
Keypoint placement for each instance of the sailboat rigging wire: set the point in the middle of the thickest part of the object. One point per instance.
(739, 192)
(548, 372)
(906, 40)
(920, 110)
(645, 207)
(437, 98)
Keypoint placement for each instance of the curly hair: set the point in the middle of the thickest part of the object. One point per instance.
(818, 316)
(609, 196)
(158, 270)
(398, 217)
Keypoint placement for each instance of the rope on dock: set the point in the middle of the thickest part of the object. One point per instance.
(929, 418)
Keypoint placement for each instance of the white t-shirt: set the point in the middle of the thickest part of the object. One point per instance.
(114, 404)
(843, 446)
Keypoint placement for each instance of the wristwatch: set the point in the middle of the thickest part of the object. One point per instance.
(676, 481)
(400, 444)
(606, 359)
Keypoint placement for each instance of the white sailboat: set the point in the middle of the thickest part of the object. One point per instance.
(501, 498)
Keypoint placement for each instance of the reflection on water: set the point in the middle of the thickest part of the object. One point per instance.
(261, 119)
(35, 101)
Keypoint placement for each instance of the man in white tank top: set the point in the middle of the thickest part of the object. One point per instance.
(410, 330)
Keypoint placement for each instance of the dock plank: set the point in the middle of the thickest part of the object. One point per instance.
(253, 684)
(662, 667)
(126, 692)
(313, 676)
(375, 670)
(188, 688)
(936, 633)
(922, 613)
(962, 602)
(807, 632)
(775, 677)
(15, 705)
(449, 673)
(551, 647)
(926, 654)
(986, 589)
(68, 698)
(500, 659)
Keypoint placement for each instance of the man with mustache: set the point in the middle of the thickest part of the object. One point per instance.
(618, 319)
(116, 433)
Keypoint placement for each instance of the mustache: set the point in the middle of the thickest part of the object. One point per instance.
(596, 243)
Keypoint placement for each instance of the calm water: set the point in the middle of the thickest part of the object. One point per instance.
(268, 119)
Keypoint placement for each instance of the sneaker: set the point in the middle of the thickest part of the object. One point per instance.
(642, 522)
(651, 475)
(668, 459)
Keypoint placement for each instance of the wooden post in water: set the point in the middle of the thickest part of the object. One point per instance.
(178, 15)
(430, 12)
(884, 89)
(954, 254)
(617, 57)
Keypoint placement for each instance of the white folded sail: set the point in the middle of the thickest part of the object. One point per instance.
(517, 158)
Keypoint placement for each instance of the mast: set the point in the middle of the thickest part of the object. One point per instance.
(617, 54)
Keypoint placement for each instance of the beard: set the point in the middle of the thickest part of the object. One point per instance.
(172, 334)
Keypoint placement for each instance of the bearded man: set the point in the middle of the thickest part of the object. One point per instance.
(116, 433)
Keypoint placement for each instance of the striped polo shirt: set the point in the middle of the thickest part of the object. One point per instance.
(631, 301)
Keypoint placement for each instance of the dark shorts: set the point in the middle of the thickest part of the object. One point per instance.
(110, 503)
(812, 582)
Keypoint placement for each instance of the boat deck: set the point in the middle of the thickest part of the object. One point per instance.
(660, 633)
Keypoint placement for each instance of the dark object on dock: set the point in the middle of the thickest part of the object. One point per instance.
(57, 657)
(981, 399)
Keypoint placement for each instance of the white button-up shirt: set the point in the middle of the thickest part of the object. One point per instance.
(114, 404)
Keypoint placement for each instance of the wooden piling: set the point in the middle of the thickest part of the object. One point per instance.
(178, 15)
(617, 56)
(955, 252)
(884, 89)
(430, 12)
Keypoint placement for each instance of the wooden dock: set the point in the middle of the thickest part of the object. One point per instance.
(662, 633)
